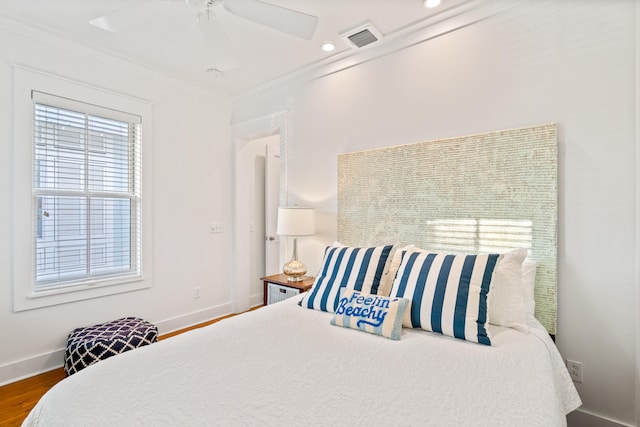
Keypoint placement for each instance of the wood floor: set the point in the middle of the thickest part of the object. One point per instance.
(17, 399)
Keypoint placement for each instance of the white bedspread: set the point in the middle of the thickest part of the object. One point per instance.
(283, 365)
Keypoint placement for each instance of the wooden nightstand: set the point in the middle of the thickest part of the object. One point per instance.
(280, 284)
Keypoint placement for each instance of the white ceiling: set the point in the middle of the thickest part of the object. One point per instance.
(168, 38)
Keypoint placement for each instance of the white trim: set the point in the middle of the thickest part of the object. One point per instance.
(242, 134)
(194, 318)
(582, 418)
(35, 365)
(75, 105)
(449, 19)
(256, 300)
(50, 37)
(436, 25)
(26, 80)
(31, 366)
(119, 96)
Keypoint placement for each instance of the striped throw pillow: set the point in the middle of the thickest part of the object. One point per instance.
(448, 293)
(371, 313)
(346, 267)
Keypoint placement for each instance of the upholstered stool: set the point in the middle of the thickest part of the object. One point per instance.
(86, 346)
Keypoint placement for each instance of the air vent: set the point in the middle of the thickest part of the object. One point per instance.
(362, 36)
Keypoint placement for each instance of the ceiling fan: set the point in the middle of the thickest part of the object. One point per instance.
(280, 18)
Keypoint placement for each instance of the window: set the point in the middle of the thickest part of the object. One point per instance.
(81, 196)
(86, 189)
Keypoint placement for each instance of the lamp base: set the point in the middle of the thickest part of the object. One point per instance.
(294, 270)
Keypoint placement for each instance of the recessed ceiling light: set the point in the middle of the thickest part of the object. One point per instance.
(328, 47)
(431, 3)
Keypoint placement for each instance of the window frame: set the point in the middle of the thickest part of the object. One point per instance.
(76, 183)
(26, 81)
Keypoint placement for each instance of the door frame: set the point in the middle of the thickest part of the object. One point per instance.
(271, 189)
(242, 134)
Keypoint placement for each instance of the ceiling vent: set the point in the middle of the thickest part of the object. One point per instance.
(362, 36)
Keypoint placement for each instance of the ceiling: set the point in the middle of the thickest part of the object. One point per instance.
(166, 36)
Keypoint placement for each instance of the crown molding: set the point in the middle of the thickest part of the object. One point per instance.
(447, 21)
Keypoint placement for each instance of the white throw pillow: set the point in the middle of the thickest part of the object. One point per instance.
(505, 301)
(528, 286)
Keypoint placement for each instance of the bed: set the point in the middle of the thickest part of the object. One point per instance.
(287, 365)
(403, 333)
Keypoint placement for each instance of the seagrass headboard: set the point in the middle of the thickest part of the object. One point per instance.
(489, 192)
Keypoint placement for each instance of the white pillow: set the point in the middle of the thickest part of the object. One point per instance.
(505, 300)
(528, 286)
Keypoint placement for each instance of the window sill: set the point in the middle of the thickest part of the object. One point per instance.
(77, 293)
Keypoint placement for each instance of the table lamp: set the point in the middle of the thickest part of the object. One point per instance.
(295, 222)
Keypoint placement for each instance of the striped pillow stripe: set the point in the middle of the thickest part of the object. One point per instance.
(448, 293)
(346, 267)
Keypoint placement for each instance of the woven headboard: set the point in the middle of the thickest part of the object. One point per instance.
(479, 193)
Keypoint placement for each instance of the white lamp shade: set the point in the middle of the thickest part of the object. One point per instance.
(296, 221)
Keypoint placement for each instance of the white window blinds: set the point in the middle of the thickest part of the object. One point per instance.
(86, 193)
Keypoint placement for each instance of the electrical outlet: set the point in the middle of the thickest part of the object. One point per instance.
(196, 292)
(575, 370)
(215, 227)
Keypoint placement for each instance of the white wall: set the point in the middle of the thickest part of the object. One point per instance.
(192, 177)
(570, 62)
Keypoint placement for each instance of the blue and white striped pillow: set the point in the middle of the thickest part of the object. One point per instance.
(346, 267)
(448, 293)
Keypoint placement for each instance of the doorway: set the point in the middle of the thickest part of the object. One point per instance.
(272, 264)
(254, 255)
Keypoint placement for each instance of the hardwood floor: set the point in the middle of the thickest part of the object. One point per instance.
(17, 399)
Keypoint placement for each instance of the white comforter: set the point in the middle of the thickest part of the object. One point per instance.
(284, 365)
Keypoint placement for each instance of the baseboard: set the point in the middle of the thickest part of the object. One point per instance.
(34, 365)
(30, 366)
(256, 300)
(582, 418)
(194, 318)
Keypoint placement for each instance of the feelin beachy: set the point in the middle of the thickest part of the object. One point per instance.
(370, 309)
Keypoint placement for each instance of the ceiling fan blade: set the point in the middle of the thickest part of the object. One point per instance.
(218, 44)
(279, 18)
(131, 16)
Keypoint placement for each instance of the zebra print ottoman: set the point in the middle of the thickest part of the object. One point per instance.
(86, 346)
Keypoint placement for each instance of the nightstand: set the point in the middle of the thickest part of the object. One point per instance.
(277, 287)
